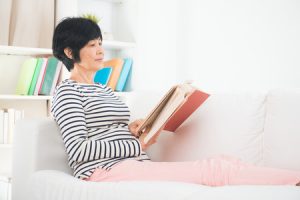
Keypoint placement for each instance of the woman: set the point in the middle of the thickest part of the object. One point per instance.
(102, 146)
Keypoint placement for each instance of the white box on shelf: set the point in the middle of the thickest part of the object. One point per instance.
(5, 188)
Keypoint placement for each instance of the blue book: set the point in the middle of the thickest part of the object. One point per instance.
(124, 74)
(102, 76)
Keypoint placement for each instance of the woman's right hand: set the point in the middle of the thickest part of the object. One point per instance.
(134, 127)
(150, 142)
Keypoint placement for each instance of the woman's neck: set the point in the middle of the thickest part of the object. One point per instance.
(81, 75)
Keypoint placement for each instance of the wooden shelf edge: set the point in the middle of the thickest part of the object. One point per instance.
(112, 44)
(27, 51)
(24, 51)
(113, 1)
(6, 146)
(24, 97)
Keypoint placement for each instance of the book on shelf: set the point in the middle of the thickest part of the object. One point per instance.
(116, 64)
(50, 78)
(8, 118)
(40, 76)
(11, 124)
(35, 76)
(1, 126)
(102, 76)
(25, 76)
(5, 128)
(124, 74)
(5, 188)
(56, 77)
(172, 110)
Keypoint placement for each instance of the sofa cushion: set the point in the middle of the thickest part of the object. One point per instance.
(54, 185)
(227, 123)
(282, 129)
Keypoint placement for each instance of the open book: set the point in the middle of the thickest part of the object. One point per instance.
(173, 109)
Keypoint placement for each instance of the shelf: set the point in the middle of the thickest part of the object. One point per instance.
(113, 1)
(6, 146)
(28, 97)
(111, 44)
(5, 177)
(24, 51)
(24, 97)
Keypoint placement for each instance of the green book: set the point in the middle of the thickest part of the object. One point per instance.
(49, 76)
(35, 76)
(25, 77)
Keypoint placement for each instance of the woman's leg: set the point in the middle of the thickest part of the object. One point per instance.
(217, 171)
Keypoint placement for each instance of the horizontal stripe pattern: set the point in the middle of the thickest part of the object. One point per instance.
(94, 126)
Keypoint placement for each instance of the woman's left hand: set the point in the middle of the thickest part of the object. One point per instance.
(133, 127)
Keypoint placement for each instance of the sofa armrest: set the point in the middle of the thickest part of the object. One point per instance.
(37, 146)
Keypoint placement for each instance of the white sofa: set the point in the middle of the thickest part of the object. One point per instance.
(259, 127)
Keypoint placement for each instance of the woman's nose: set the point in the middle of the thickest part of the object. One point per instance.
(100, 50)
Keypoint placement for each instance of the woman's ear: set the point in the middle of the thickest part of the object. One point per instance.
(68, 53)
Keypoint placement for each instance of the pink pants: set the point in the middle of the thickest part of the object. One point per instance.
(217, 171)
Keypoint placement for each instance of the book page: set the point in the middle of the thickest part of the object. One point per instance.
(173, 103)
(155, 112)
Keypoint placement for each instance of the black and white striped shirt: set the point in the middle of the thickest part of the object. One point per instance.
(94, 127)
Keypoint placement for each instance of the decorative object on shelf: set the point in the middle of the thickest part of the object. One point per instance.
(106, 35)
(92, 17)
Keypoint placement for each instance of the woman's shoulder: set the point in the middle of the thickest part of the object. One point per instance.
(66, 84)
(66, 87)
(71, 87)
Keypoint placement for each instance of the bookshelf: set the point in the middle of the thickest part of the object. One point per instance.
(12, 57)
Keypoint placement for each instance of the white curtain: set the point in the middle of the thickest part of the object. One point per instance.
(27, 23)
(5, 7)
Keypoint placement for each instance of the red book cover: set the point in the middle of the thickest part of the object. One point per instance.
(191, 103)
(172, 110)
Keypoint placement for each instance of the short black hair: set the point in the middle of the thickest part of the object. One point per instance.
(73, 33)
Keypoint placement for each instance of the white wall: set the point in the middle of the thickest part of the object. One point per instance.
(222, 45)
(236, 44)
(156, 36)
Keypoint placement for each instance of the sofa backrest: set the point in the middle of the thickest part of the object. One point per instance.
(227, 123)
(38, 143)
(256, 127)
(37, 146)
(262, 128)
(282, 129)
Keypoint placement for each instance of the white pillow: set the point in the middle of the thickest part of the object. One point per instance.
(282, 129)
(227, 123)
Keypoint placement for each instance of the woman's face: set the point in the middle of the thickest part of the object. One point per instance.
(92, 55)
